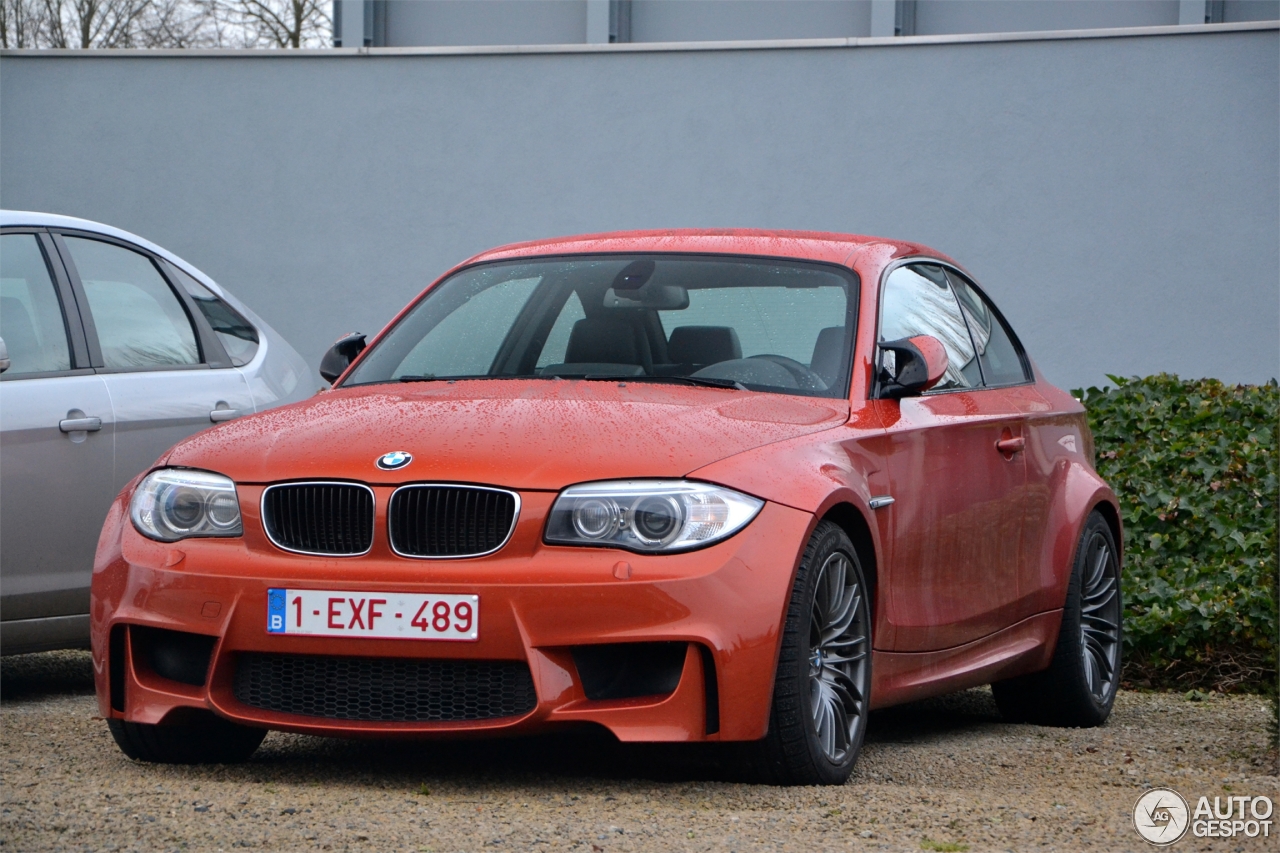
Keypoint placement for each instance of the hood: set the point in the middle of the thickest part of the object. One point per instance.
(521, 434)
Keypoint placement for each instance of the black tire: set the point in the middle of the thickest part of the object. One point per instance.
(1079, 687)
(199, 737)
(829, 670)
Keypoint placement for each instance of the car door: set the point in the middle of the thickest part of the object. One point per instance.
(56, 444)
(1007, 375)
(957, 477)
(166, 372)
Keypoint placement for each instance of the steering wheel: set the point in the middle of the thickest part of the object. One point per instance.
(805, 378)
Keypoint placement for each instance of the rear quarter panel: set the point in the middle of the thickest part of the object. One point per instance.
(1060, 455)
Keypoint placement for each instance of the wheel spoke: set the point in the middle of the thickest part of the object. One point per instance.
(1102, 656)
(847, 692)
(1106, 635)
(844, 619)
(842, 729)
(1099, 596)
(1100, 565)
(841, 642)
(827, 722)
(836, 660)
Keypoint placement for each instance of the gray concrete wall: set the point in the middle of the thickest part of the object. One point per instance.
(1118, 197)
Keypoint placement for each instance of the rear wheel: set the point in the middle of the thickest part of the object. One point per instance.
(823, 683)
(198, 737)
(1079, 687)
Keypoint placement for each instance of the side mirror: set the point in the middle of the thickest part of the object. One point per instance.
(340, 355)
(4, 356)
(911, 366)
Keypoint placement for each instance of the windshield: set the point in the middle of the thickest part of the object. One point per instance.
(759, 324)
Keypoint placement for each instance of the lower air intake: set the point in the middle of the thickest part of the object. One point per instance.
(392, 690)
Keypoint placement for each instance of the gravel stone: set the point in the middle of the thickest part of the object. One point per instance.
(945, 774)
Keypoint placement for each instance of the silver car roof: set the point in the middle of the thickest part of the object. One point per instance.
(35, 219)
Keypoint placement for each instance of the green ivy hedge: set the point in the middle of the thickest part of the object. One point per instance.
(1194, 465)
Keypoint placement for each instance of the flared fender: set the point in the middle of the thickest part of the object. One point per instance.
(824, 475)
(1077, 490)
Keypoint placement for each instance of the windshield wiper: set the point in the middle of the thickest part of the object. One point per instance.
(704, 381)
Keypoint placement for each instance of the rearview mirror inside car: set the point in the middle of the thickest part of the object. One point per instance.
(910, 366)
(659, 297)
(341, 354)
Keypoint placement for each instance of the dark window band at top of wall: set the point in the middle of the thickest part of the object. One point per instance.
(430, 23)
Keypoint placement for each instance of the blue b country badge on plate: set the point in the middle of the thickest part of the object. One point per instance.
(275, 611)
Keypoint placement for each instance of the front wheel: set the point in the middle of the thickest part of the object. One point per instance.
(823, 682)
(1079, 687)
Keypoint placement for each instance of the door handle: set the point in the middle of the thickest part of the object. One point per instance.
(80, 424)
(1010, 446)
(220, 415)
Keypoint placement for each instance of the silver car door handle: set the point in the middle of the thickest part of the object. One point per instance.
(220, 415)
(80, 424)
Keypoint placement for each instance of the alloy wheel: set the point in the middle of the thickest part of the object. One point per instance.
(838, 648)
(1100, 618)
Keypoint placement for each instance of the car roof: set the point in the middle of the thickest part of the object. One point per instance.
(809, 245)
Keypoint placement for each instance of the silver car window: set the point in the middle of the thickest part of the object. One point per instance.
(139, 320)
(31, 320)
(236, 334)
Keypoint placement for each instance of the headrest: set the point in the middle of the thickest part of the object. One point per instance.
(828, 355)
(703, 345)
(602, 341)
(18, 333)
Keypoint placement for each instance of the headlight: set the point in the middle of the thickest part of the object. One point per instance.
(172, 504)
(648, 515)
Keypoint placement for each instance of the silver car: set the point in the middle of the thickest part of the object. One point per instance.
(111, 350)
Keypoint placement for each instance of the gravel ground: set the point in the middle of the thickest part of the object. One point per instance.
(939, 775)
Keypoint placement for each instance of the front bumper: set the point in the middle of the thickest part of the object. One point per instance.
(537, 602)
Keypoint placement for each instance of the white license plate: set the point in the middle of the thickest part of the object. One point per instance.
(383, 615)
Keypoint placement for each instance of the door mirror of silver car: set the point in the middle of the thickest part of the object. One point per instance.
(341, 354)
(4, 356)
(910, 366)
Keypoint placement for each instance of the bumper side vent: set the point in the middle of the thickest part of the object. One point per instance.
(628, 670)
(400, 690)
(175, 655)
(319, 518)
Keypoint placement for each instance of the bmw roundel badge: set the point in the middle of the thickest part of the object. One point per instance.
(394, 460)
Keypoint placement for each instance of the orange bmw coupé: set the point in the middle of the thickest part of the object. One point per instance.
(729, 486)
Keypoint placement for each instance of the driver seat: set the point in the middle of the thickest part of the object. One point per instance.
(695, 347)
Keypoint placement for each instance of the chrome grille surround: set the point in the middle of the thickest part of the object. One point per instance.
(402, 494)
(268, 516)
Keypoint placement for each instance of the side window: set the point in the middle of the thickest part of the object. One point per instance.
(237, 336)
(31, 320)
(1001, 362)
(917, 300)
(139, 320)
(558, 340)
